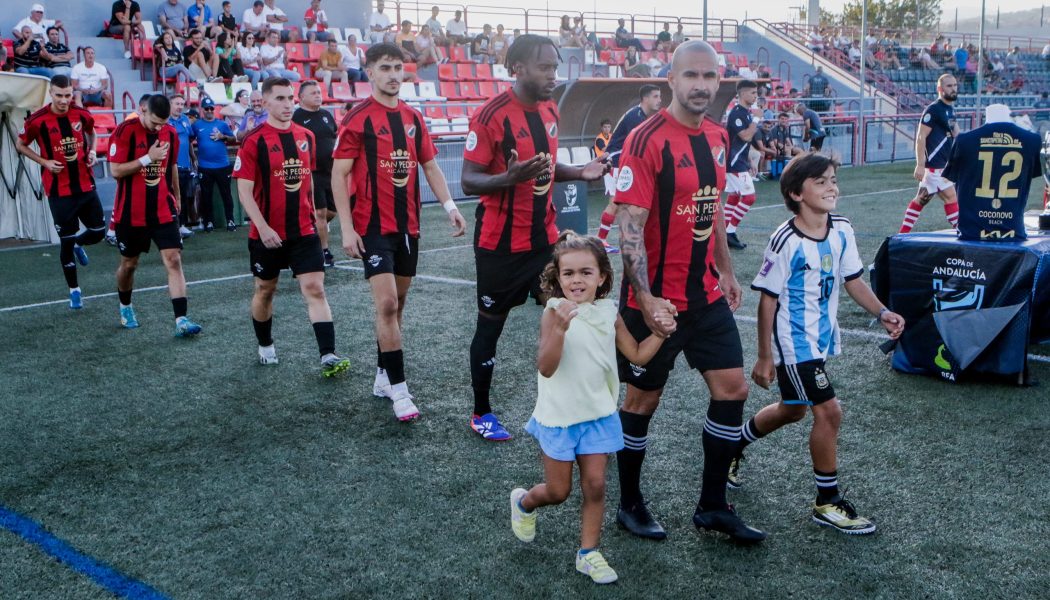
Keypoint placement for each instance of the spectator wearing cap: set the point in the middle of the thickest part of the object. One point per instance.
(254, 21)
(316, 20)
(27, 54)
(172, 15)
(125, 19)
(213, 163)
(276, 18)
(353, 60)
(456, 30)
(36, 22)
(91, 82)
(56, 55)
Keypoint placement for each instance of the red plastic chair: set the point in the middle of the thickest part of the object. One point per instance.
(487, 89)
(448, 90)
(410, 69)
(362, 89)
(434, 110)
(342, 92)
(468, 90)
(483, 72)
(104, 121)
(464, 71)
(316, 49)
(446, 72)
(296, 53)
(455, 110)
(503, 86)
(457, 54)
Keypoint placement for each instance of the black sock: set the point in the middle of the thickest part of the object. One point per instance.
(379, 356)
(749, 433)
(69, 262)
(91, 236)
(827, 485)
(125, 297)
(629, 460)
(180, 305)
(483, 360)
(721, 439)
(394, 363)
(324, 331)
(263, 331)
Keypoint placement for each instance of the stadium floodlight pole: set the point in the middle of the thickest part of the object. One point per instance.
(980, 68)
(863, 74)
(705, 22)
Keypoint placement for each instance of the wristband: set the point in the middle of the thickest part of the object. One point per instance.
(449, 206)
(883, 311)
(145, 160)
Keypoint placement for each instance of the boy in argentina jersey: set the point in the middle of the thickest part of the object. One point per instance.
(809, 259)
(933, 143)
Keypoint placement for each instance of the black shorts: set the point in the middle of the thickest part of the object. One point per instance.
(708, 336)
(301, 255)
(323, 197)
(506, 280)
(804, 383)
(69, 212)
(817, 143)
(132, 241)
(396, 253)
(187, 184)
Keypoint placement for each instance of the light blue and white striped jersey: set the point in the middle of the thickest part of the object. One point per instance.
(805, 275)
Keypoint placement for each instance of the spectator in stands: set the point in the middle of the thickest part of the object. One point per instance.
(961, 55)
(633, 65)
(730, 71)
(579, 29)
(869, 56)
(198, 57)
(1016, 83)
(500, 43)
(889, 59)
(762, 106)
(763, 73)
(316, 20)
(1045, 54)
(253, 117)
(678, 38)
(125, 19)
(3, 57)
(201, 17)
(510, 38)
(272, 58)
(91, 82)
(481, 48)
(436, 30)
(27, 54)
(429, 51)
(815, 41)
(812, 129)
(926, 61)
(172, 15)
(330, 65)
(249, 54)
(456, 30)
(406, 40)
(36, 22)
(56, 55)
(749, 71)
(566, 36)
(855, 54)
(168, 58)
(254, 21)
(227, 22)
(780, 138)
(663, 39)
(353, 60)
(291, 35)
(228, 63)
(379, 24)
(625, 39)
(276, 18)
(818, 88)
(1013, 60)
(601, 142)
(234, 111)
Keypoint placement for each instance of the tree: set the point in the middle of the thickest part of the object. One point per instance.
(887, 14)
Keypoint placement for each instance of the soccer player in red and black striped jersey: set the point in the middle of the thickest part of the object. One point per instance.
(275, 185)
(382, 143)
(510, 162)
(142, 158)
(65, 137)
(675, 257)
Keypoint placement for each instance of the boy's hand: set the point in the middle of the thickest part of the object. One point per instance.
(764, 373)
(893, 323)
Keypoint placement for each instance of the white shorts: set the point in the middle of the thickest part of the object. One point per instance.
(932, 181)
(740, 183)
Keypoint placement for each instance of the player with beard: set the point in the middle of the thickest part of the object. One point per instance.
(510, 162)
(675, 257)
(322, 124)
(65, 136)
(933, 144)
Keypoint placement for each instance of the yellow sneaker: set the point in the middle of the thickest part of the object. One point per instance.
(839, 514)
(522, 523)
(594, 566)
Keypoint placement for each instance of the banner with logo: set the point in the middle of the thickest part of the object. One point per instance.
(971, 307)
(570, 205)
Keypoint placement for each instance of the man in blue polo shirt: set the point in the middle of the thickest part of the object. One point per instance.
(212, 135)
(186, 161)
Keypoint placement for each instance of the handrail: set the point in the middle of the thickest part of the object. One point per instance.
(758, 55)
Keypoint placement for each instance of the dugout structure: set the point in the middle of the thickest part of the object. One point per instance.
(24, 213)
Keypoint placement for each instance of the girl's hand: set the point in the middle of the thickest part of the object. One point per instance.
(564, 314)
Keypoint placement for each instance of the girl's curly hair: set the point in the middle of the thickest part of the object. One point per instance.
(570, 241)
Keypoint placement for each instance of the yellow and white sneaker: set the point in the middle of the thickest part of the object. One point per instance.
(839, 514)
(594, 566)
(522, 523)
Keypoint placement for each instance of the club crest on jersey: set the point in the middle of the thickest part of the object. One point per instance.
(625, 179)
(719, 152)
(77, 126)
(400, 165)
(926, 118)
(552, 129)
(825, 263)
(411, 131)
(112, 149)
(821, 378)
(303, 145)
(472, 141)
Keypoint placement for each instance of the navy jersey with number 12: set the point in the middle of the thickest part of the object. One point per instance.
(993, 167)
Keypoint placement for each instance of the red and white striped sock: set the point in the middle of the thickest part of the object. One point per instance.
(732, 201)
(742, 209)
(911, 215)
(607, 221)
(952, 212)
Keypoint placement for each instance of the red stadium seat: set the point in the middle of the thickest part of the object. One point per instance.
(457, 54)
(104, 121)
(605, 56)
(448, 90)
(299, 68)
(618, 57)
(464, 71)
(434, 110)
(487, 89)
(316, 49)
(410, 68)
(471, 109)
(446, 72)
(342, 92)
(296, 53)
(483, 72)
(456, 110)
(469, 90)
(717, 46)
(503, 86)
(102, 145)
(741, 60)
(362, 89)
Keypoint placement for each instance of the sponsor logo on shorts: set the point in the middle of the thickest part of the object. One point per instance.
(625, 179)
(821, 378)
(636, 370)
(258, 268)
(472, 141)
(121, 246)
(374, 260)
(487, 301)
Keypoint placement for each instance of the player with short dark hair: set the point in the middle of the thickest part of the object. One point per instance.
(382, 144)
(510, 161)
(933, 143)
(322, 124)
(142, 159)
(675, 258)
(740, 187)
(65, 137)
(808, 260)
(649, 101)
(274, 183)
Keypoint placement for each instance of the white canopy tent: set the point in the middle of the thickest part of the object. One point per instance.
(24, 213)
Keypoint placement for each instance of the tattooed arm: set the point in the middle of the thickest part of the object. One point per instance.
(636, 268)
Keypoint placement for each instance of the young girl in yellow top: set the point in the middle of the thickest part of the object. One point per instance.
(575, 417)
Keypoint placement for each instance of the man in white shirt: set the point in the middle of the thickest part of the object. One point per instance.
(378, 24)
(272, 57)
(91, 82)
(276, 18)
(37, 23)
(254, 20)
(456, 30)
(436, 30)
(353, 59)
